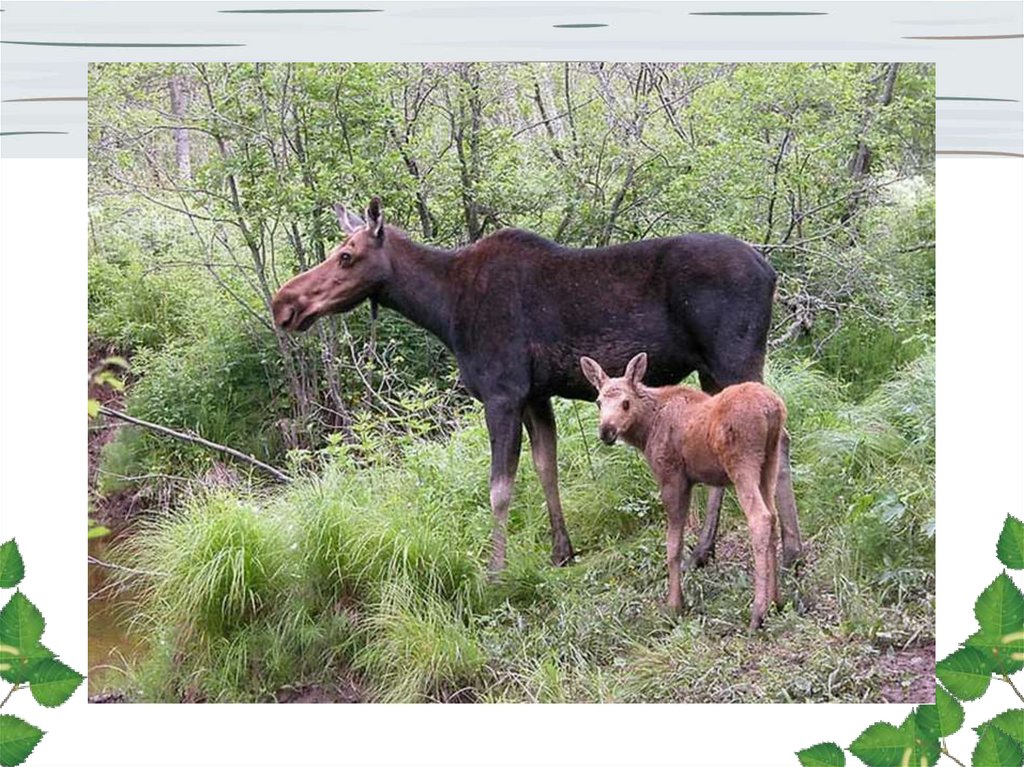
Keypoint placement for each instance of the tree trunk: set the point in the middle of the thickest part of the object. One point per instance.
(467, 148)
(860, 165)
(179, 103)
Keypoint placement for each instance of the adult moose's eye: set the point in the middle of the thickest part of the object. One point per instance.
(345, 258)
(625, 404)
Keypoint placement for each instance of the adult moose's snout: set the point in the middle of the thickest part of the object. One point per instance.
(283, 310)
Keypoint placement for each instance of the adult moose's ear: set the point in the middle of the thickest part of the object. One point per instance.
(636, 369)
(348, 221)
(375, 218)
(593, 372)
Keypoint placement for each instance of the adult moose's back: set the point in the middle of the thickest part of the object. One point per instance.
(518, 311)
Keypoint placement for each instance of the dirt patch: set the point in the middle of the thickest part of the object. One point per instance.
(911, 672)
(345, 690)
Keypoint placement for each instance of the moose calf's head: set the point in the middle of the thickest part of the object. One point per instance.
(352, 272)
(620, 399)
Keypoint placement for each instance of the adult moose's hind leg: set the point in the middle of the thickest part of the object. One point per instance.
(540, 424)
(704, 551)
(792, 547)
(505, 427)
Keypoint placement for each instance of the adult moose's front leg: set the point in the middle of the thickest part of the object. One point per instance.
(540, 424)
(505, 426)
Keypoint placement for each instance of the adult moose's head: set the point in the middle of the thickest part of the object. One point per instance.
(352, 272)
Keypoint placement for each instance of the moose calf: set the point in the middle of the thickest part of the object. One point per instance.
(688, 436)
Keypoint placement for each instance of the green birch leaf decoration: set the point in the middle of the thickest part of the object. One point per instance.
(822, 755)
(1010, 546)
(881, 745)
(17, 665)
(1011, 723)
(21, 624)
(12, 567)
(924, 746)
(999, 655)
(53, 682)
(1000, 613)
(996, 749)
(17, 739)
(1000, 608)
(943, 718)
(965, 673)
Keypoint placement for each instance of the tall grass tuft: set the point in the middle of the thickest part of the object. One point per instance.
(214, 567)
(422, 650)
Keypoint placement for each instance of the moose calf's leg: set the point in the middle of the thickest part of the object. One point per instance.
(792, 548)
(759, 519)
(675, 495)
(505, 426)
(705, 548)
(769, 480)
(540, 423)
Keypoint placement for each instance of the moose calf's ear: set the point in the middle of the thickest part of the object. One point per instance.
(349, 222)
(636, 368)
(375, 218)
(593, 372)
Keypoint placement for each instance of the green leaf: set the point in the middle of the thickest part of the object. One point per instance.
(996, 749)
(965, 673)
(120, 362)
(924, 746)
(94, 408)
(96, 530)
(1010, 547)
(881, 745)
(21, 624)
(822, 755)
(12, 568)
(998, 656)
(1010, 722)
(1000, 613)
(17, 739)
(943, 718)
(106, 378)
(53, 682)
(1000, 608)
(17, 667)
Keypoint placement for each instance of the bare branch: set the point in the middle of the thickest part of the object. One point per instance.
(252, 461)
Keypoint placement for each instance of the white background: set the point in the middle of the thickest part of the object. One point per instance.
(43, 492)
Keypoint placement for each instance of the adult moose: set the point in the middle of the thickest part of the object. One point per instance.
(518, 312)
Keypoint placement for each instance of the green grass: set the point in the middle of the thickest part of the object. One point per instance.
(376, 573)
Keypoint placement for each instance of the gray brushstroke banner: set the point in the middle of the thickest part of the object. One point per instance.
(45, 48)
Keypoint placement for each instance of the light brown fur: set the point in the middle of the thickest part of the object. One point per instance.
(690, 437)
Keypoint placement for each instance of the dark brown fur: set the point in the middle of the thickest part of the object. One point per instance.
(518, 311)
(690, 437)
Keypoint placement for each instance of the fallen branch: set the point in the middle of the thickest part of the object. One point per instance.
(276, 473)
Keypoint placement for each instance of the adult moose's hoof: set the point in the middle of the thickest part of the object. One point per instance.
(563, 556)
(793, 561)
(700, 556)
